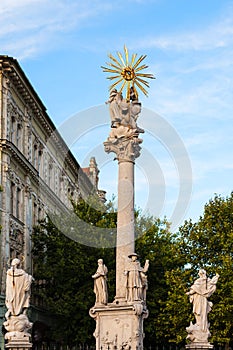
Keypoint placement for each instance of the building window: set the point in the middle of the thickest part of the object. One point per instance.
(12, 201)
(45, 165)
(35, 214)
(35, 156)
(13, 130)
(18, 203)
(29, 143)
(40, 213)
(51, 174)
(19, 136)
(39, 160)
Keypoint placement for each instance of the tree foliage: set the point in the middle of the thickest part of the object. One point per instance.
(157, 244)
(67, 265)
(205, 244)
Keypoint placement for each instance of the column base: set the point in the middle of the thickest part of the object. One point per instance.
(198, 346)
(119, 326)
(19, 343)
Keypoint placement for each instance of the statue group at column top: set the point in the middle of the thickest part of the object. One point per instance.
(124, 135)
(122, 112)
(128, 75)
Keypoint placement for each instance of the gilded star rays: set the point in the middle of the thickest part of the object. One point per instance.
(128, 73)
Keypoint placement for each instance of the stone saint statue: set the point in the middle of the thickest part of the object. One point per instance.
(100, 283)
(202, 288)
(18, 285)
(136, 284)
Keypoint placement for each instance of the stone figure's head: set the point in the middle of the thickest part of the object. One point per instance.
(15, 262)
(136, 107)
(133, 256)
(113, 95)
(124, 106)
(100, 261)
(202, 273)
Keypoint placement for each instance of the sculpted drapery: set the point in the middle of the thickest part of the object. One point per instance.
(18, 284)
(202, 288)
(100, 283)
(136, 279)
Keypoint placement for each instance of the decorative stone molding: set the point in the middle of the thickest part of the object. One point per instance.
(14, 115)
(124, 138)
(12, 176)
(16, 238)
(17, 327)
(28, 186)
(126, 148)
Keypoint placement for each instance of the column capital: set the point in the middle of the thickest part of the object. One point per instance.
(125, 143)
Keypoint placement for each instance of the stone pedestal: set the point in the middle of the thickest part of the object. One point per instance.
(198, 337)
(17, 336)
(119, 326)
(19, 343)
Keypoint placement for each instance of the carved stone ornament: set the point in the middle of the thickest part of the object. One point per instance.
(16, 236)
(17, 326)
(119, 326)
(124, 138)
(126, 148)
(13, 114)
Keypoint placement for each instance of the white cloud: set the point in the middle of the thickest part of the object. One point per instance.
(200, 93)
(32, 26)
(7, 6)
(216, 35)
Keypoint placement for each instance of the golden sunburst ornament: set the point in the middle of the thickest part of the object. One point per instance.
(128, 73)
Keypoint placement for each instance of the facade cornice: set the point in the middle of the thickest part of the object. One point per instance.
(13, 151)
(45, 189)
(10, 67)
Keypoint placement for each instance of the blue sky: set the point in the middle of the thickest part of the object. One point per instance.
(188, 115)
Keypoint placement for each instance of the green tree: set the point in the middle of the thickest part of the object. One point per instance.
(159, 245)
(65, 266)
(205, 244)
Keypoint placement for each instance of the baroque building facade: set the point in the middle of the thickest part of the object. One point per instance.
(38, 173)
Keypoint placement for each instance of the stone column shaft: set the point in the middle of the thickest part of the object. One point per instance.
(125, 222)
